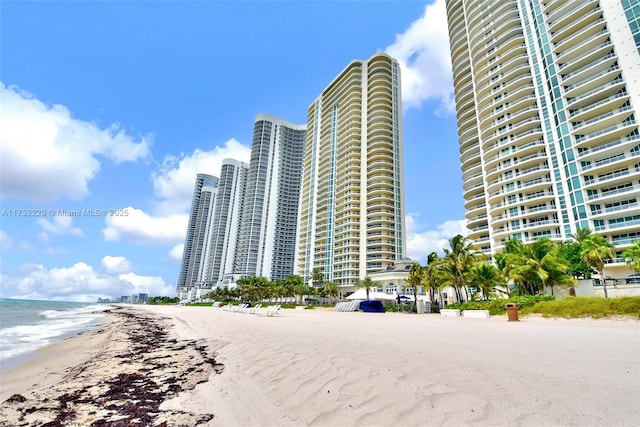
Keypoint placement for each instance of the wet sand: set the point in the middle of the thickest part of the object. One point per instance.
(206, 366)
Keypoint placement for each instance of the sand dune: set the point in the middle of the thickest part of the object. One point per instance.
(325, 368)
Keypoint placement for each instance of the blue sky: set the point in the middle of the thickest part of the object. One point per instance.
(117, 105)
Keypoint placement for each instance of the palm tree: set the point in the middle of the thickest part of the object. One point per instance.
(292, 285)
(558, 278)
(457, 261)
(632, 256)
(485, 277)
(502, 265)
(543, 261)
(595, 250)
(581, 234)
(514, 258)
(367, 283)
(331, 289)
(430, 278)
(317, 277)
(415, 278)
(571, 252)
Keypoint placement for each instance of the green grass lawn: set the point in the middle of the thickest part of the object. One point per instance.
(594, 307)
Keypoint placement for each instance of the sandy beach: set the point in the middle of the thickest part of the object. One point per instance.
(188, 366)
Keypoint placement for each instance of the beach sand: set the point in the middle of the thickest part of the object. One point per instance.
(205, 366)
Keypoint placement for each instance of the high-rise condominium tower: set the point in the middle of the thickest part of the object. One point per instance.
(199, 230)
(352, 202)
(267, 240)
(226, 220)
(547, 94)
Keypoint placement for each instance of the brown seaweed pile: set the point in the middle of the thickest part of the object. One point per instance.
(123, 384)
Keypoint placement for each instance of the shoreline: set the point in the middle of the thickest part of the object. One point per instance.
(209, 367)
(13, 362)
(119, 372)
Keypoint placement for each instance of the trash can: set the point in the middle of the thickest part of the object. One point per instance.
(512, 312)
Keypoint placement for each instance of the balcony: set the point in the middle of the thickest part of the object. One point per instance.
(574, 113)
(607, 177)
(601, 117)
(615, 82)
(574, 73)
(583, 34)
(613, 192)
(573, 10)
(591, 78)
(623, 224)
(616, 132)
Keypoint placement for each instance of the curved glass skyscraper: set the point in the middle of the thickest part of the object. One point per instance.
(267, 238)
(192, 269)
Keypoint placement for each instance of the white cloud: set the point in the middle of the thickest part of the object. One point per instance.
(424, 57)
(46, 154)
(421, 242)
(173, 183)
(60, 225)
(80, 282)
(176, 253)
(116, 265)
(141, 284)
(140, 227)
(173, 186)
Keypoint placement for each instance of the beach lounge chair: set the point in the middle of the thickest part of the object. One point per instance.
(270, 311)
(275, 311)
(255, 308)
(240, 307)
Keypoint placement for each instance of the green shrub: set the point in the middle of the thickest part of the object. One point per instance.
(497, 306)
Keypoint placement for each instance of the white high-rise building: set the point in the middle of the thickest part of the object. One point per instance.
(226, 220)
(547, 98)
(267, 238)
(352, 202)
(192, 270)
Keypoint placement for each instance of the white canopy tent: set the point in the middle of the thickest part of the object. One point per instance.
(380, 296)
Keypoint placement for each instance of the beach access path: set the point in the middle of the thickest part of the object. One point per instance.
(325, 368)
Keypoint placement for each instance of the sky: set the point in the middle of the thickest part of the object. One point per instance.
(112, 108)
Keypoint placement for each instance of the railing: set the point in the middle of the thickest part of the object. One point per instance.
(614, 208)
(618, 225)
(634, 281)
(591, 78)
(597, 21)
(612, 192)
(599, 103)
(624, 241)
(594, 91)
(603, 116)
(589, 65)
(607, 145)
(607, 177)
(603, 131)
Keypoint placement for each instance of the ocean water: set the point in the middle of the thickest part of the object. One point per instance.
(26, 325)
